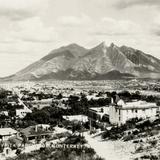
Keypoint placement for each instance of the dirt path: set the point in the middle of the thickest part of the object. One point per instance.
(110, 150)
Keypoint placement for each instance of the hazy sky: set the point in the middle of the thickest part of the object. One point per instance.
(29, 29)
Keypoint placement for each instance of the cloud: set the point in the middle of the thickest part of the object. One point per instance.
(15, 14)
(129, 3)
(21, 9)
(155, 26)
(6, 39)
(110, 27)
(34, 30)
(73, 21)
(9, 64)
(157, 32)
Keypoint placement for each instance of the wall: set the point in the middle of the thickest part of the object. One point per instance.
(120, 116)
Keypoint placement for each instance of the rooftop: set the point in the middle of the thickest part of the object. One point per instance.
(7, 131)
(136, 105)
(36, 130)
(98, 110)
(76, 118)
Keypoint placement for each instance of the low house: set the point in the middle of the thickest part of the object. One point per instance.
(4, 113)
(99, 115)
(121, 111)
(21, 112)
(63, 106)
(6, 133)
(39, 104)
(40, 131)
(79, 118)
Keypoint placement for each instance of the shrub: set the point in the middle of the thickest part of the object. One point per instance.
(153, 142)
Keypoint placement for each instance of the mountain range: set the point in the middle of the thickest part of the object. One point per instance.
(74, 62)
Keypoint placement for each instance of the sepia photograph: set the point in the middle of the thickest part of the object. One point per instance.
(79, 79)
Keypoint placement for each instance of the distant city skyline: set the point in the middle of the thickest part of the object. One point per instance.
(30, 29)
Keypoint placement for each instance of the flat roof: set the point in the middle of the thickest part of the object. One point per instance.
(137, 105)
(30, 131)
(7, 131)
(98, 110)
(76, 117)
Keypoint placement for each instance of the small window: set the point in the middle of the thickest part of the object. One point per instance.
(136, 110)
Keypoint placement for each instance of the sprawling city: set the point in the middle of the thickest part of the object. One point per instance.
(93, 120)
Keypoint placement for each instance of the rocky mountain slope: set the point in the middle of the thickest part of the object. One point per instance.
(100, 62)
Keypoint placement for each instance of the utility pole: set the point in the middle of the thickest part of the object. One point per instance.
(90, 125)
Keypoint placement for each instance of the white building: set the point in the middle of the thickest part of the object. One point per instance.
(6, 133)
(121, 112)
(21, 113)
(98, 113)
(80, 118)
(39, 104)
(98, 116)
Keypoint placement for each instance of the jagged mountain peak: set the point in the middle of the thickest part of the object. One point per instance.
(113, 45)
(74, 45)
(74, 49)
(76, 62)
(104, 44)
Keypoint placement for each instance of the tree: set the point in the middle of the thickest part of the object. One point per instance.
(74, 103)
(1, 147)
(59, 96)
(12, 113)
(24, 140)
(3, 94)
(84, 104)
(41, 117)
